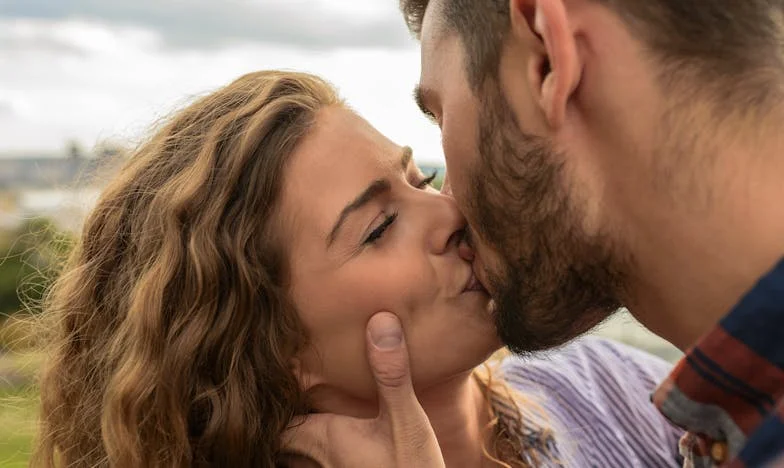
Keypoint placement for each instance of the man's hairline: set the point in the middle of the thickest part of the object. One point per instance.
(442, 27)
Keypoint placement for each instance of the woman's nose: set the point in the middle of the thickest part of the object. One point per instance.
(447, 226)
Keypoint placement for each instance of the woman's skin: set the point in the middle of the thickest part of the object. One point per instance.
(400, 250)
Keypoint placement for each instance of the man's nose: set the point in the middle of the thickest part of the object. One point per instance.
(446, 185)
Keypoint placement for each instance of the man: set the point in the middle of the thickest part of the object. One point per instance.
(616, 153)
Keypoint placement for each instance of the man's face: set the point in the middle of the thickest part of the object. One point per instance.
(552, 275)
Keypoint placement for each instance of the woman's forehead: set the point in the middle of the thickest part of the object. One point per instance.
(340, 148)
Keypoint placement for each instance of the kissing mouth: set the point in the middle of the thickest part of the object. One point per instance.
(473, 284)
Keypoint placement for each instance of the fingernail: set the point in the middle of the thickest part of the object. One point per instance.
(385, 331)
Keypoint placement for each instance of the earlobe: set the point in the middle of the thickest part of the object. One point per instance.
(560, 69)
(307, 379)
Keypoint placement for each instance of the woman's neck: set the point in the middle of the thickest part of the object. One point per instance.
(457, 409)
(458, 412)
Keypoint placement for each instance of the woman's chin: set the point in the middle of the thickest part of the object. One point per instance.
(492, 349)
(486, 327)
(471, 356)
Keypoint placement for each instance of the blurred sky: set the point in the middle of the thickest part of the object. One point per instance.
(93, 70)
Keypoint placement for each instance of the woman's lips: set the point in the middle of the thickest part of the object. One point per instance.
(473, 284)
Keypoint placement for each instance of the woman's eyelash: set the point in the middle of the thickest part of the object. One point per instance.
(428, 180)
(379, 231)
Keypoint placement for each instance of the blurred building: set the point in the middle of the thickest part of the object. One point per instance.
(61, 187)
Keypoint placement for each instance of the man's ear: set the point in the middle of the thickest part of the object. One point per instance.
(554, 66)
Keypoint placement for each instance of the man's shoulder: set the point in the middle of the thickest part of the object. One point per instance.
(729, 388)
(757, 320)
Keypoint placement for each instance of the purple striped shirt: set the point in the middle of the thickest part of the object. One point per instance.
(596, 393)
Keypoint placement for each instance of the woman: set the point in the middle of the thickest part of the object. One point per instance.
(222, 286)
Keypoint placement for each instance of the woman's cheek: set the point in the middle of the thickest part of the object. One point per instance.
(410, 282)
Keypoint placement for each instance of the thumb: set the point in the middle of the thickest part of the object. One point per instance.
(400, 413)
(389, 362)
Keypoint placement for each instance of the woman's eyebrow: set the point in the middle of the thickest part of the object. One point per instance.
(373, 191)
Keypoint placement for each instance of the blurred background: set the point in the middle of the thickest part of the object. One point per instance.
(83, 80)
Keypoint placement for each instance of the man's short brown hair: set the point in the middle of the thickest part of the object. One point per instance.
(708, 42)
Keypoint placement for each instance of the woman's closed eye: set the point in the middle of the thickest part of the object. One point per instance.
(378, 232)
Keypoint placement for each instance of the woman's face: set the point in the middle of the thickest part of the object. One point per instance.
(367, 234)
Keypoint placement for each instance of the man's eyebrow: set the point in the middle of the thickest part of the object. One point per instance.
(421, 96)
(376, 188)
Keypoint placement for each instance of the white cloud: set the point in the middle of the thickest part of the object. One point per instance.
(108, 81)
(319, 24)
(356, 10)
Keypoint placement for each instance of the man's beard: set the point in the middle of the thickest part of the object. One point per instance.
(554, 281)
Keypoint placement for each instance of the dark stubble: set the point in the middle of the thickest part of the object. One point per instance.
(554, 281)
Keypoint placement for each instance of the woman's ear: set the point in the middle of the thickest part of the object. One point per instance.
(307, 379)
(554, 65)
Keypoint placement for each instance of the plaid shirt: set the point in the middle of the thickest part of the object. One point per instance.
(728, 390)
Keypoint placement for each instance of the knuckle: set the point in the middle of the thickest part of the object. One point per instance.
(392, 373)
(413, 442)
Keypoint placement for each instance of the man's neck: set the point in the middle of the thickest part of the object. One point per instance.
(694, 267)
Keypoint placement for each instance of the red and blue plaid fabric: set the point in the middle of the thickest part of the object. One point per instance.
(728, 390)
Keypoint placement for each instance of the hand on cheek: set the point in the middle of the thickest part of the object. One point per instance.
(400, 435)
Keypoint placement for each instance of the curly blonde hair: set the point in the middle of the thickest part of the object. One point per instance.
(174, 329)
